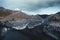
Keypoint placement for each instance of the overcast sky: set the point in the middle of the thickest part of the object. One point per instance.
(32, 7)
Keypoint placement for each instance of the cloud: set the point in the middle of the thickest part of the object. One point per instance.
(35, 5)
(31, 6)
(49, 10)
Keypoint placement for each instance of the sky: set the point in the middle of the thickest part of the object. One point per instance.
(32, 7)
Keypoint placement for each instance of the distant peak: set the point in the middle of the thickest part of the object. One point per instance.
(17, 9)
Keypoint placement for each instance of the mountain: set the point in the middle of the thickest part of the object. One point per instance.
(19, 19)
(4, 12)
(44, 16)
(21, 26)
(53, 20)
(19, 15)
(7, 14)
(54, 17)
(57, 16)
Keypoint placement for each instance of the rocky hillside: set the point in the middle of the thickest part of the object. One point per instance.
(4, 12)
(7, 14)
(54, 17)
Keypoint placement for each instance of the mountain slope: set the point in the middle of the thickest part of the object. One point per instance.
(54, 17)
(4, 12)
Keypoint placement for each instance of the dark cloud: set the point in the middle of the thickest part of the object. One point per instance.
(45, 4)
(30, 5)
